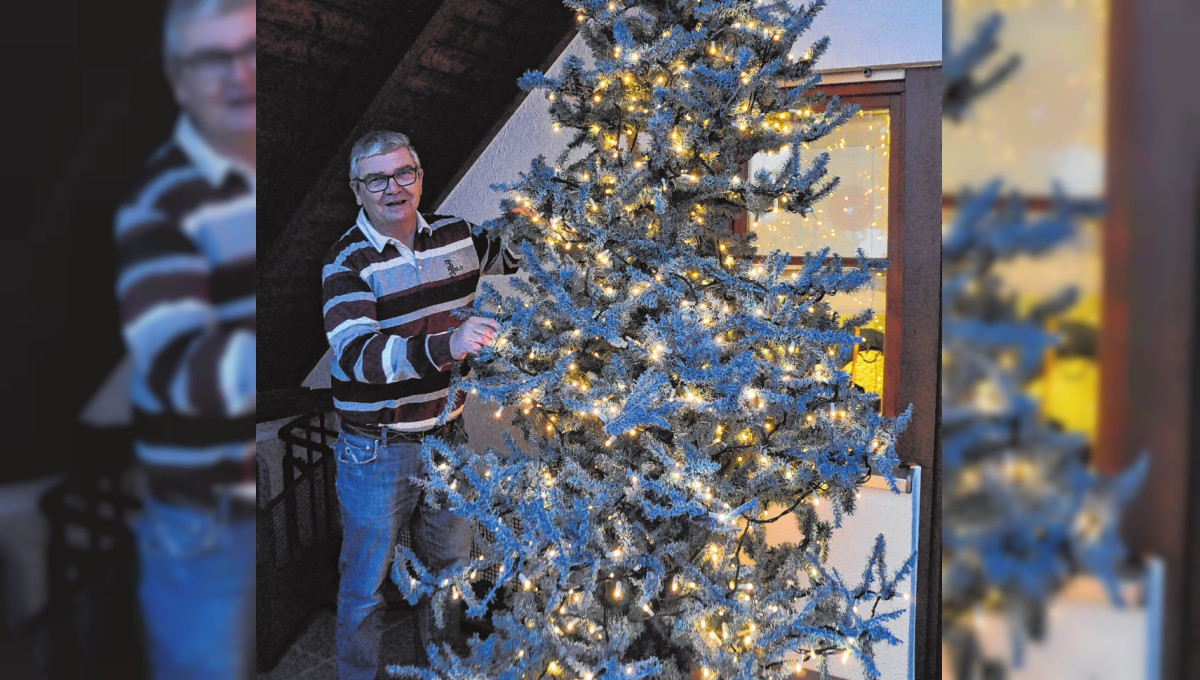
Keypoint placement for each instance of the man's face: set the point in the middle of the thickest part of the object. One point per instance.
(395, 204)
(213, 72)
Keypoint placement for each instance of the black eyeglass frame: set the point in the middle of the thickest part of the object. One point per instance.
(387, 179)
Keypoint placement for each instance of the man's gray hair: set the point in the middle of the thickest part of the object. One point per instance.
(181, 11)
(378, 142)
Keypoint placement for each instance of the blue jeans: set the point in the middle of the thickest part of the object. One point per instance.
(376, 498)
(196, 591)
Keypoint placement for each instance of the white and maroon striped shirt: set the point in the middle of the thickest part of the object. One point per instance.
(388, 317)
(185, 241)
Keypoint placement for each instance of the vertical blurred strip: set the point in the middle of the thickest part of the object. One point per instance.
(1027, 517)
(1150, 380)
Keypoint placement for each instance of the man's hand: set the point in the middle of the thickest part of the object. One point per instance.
(470, 337)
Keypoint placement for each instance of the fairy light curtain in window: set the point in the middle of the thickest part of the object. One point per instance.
(854, 216)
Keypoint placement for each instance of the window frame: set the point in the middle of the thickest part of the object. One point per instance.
(889, 95)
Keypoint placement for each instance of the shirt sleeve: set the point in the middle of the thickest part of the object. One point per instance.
(192, 364)
(360, 350)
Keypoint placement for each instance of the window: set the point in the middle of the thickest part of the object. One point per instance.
(854, 217)
(858, 214)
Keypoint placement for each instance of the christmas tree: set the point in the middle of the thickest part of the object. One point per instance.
(673, 392)
(1022, 509)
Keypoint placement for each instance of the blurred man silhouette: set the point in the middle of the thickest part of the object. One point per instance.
(185, 242)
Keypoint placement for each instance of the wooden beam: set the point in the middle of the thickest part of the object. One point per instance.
(319, 21)
(452, 61)
(914, 331)
(297, 47)
(493, 15)
(373, 9)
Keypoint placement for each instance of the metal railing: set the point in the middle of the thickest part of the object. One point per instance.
(298, 537)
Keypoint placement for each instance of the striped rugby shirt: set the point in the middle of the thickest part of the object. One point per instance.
(185, 242)
(388, 317)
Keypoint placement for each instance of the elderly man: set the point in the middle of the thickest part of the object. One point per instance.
(390, 285)
(185, 241)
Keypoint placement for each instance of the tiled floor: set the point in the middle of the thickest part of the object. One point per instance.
(312, 655)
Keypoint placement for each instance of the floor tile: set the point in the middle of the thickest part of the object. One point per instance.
(325, 671)
(318, 639)
(294, 663)
(400, 643)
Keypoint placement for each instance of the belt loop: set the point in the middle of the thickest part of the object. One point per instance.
(383, 434)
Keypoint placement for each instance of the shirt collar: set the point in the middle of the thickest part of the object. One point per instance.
(378, 240)
(212, 164)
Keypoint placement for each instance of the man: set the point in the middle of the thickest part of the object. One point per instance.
(390, 285)
(185, 242)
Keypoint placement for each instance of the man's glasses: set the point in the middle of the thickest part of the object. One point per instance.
(214, 65)
(377, 183)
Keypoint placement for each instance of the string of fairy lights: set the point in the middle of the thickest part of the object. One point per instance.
(859, 160)
(668, 192)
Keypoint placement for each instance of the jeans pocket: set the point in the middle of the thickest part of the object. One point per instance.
(354, 450)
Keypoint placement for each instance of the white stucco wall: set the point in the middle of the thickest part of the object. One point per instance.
(880, 511)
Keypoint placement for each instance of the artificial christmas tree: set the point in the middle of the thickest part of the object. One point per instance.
(673, 392)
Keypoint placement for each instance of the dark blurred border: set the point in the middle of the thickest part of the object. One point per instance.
(86, 103)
